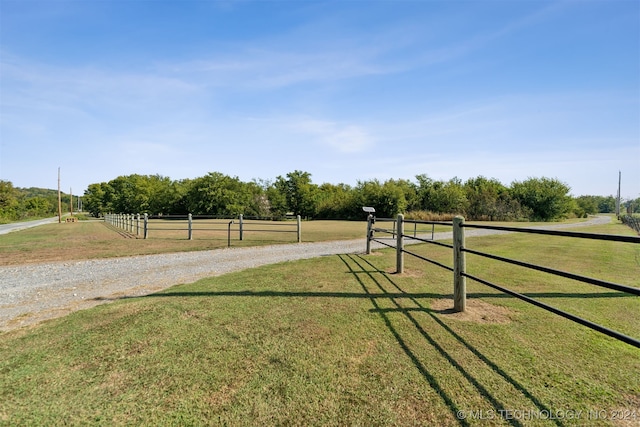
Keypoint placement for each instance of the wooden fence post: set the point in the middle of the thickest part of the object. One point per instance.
(399, 245)
(459, 266)
(137, 225)
(299, 229)
(146, 225)
(241, 232)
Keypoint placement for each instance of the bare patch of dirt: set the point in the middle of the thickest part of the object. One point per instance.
(407, 272)
(477, 311)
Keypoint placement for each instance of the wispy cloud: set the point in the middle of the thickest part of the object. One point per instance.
(340, 137)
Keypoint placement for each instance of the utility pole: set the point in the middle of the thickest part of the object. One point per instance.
(618, 198)
(59, 199)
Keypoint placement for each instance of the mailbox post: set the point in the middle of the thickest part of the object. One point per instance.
(371, 219)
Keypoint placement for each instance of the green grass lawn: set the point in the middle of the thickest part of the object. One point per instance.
(341, 340)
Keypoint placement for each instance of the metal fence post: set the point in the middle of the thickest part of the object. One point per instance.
(299, 229)
(399, 245)
(369, 233)
(459, 266)
(229, 234)
(146, 225)
(190, 233)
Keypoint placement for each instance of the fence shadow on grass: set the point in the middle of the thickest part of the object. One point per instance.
(379, 286)
(285, 294)
(374, 276)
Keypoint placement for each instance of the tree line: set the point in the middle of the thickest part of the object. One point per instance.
(18, 204)
(480, 198)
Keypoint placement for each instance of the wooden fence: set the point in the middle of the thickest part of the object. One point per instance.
(205, 226)
(460, 274)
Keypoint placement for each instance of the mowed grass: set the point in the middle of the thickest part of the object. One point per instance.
(95, 239)
(342, 340)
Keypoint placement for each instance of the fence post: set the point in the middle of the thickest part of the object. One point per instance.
(138, 225)
(146, 225)
(459, 266)
(399, 245)
(241, 224)
(299, 229)
(369, 233)
(190, 233)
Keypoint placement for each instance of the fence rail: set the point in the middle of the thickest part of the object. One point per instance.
(459, 260)
(140, 225)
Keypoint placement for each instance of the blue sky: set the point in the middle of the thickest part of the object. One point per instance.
(345, 90)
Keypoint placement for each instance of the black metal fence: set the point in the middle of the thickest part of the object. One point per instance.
(631, 221)
(459, 268)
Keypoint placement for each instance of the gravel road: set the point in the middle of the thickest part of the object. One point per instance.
(33, 293)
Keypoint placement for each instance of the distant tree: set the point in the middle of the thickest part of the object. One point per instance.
(179, 191)
(8, 194)
(37, 207)
(606, 204)
(218, 194)
(277, 200)
(586, 205)
(337, 202)
(8, 201)
(388, 199)
(300, 193)
(97, 199)
(410, 191)
(441, 196)
(547, 199)
(483, 196)
(490, 199)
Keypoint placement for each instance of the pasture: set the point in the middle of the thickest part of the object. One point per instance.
(342, 340)
(95, 239)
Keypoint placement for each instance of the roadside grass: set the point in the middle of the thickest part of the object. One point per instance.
(94, 239)
(342, 340)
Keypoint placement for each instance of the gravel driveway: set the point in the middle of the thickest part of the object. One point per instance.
(32, 293)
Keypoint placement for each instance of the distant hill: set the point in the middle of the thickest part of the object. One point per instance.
(18, 203)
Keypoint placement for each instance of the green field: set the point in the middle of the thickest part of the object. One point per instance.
(342, 340)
